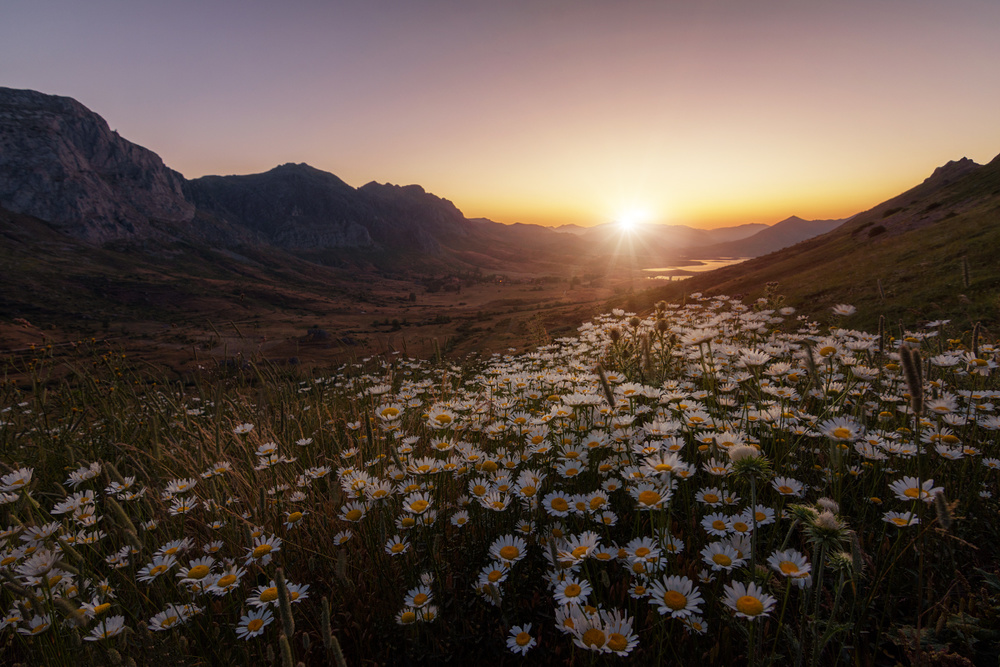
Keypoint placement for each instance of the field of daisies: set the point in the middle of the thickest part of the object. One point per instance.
(718, 482)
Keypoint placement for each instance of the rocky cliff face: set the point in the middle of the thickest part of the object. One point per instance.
(61, 162)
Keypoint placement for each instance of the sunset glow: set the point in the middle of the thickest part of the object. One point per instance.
(549, 112)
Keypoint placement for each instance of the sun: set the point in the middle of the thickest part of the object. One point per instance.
(631, 218)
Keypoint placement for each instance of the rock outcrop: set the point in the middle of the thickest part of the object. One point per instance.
(60, 162)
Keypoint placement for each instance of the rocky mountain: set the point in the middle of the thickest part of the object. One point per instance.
(60, 162)
(780, 235)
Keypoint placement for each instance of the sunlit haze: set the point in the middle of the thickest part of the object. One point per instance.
(551, 112)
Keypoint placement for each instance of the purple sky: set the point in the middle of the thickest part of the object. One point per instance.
(699, 112)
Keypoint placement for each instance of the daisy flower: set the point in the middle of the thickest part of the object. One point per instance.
(572, 591)
(621, 638)
(748, 602)
(293, 519)
(841, 428)
(787, 486)
(37, 625)
(16, 480)
(649, 496)
(910, 488)
(494, 573)
(264, 595)
(227, 581)
(418, 597)
(262, 550)
(789, 563)
(695, 624)
(556, 503)
(901, 519)
(196, 571)
(253, 624)
(716, 523)
(109, 627)
(170, 617)
(158, 566)
(509, 549)
(520, 639)
(397, 545)
(721, 556)
(676, 596)
(407, 616)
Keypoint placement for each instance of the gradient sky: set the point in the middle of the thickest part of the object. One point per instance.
(702, 112)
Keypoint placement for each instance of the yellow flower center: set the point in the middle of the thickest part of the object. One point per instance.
(711, 498)
(788, 567)
(675, 600)
(490, 466)
(594, 638)
(617, 642)
(397, 547)
(226, 580)
(262, 550)
(642, 552)
(198, 572)
(408, 617)
(419, 505)
(785, 489)
(559, 504)
(649, 498)
(912, 492)
(528, 491)
(719, 524)
(159, 569)
(750, 606)
(353, 515)
(740, 527)
(722, 559)
(494, 576)
(269, 595)
(255, 625)
(663, 467)
(168, 621)
(509, 552)
(294, 517)
(827, 351)
(522, 639)
(101, 608)
(842, 433)
(419, 599)
(572, 590)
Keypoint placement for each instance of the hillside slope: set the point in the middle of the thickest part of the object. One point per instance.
(906, 258)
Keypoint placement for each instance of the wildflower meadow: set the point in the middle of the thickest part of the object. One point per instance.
(715, 482)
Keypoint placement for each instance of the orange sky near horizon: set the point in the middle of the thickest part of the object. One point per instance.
(708, 113)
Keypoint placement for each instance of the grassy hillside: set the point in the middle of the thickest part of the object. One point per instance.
(927, 254)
